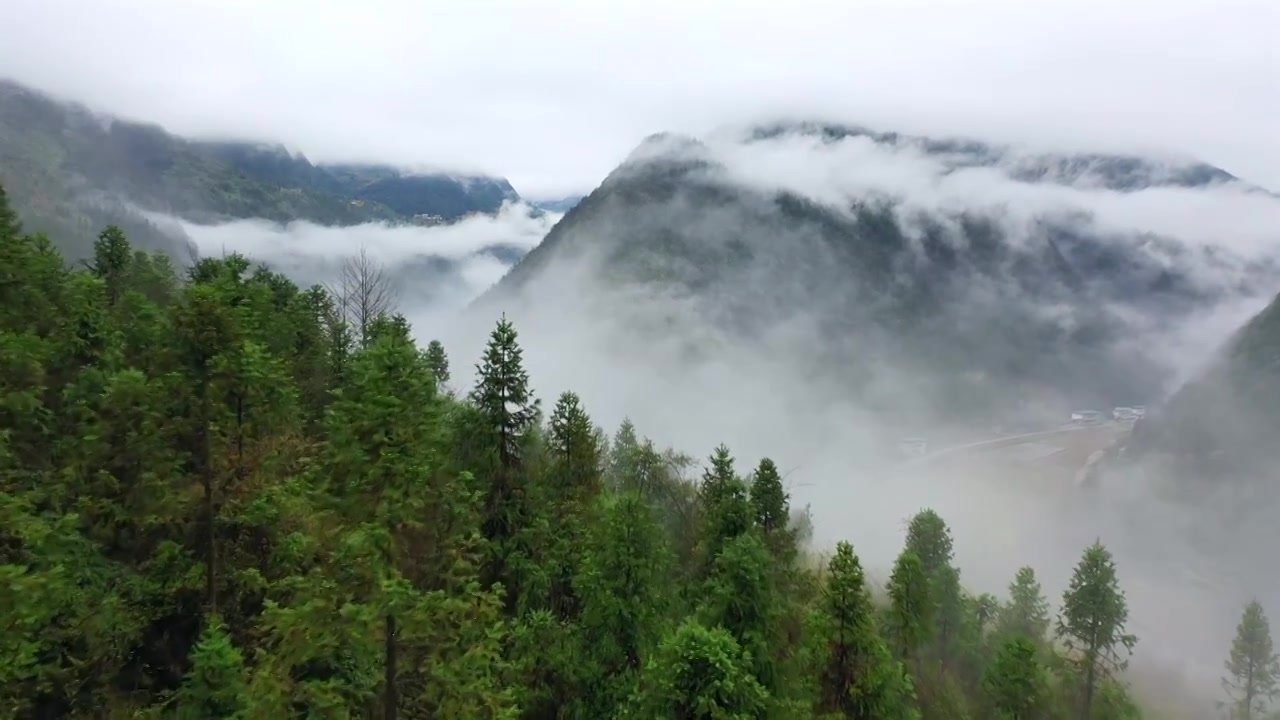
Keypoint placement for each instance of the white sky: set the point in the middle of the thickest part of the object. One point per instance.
(554, 94)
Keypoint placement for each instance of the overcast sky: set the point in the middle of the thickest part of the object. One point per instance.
(553, 94)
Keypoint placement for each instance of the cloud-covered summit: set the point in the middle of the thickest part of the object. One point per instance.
(970, 270)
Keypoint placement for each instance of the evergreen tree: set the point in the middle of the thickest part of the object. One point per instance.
(207, 327)
(772, 508)
(1092, 623)
(1027, 612)
(1253, 667)
(575, 452)
(620, 470)
(985, 610)
(111, 258)
(857, 677)
(726, 507)
(507, 412)
(930, 539)
(624, 584)
(439, 362)
(503, 396)
(216, 686)
(10, 226)
(740, 596)
(573, 485)
(701, 673)
(1015, 686)
(911, 614)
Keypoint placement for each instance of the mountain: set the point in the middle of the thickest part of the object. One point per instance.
(69, 171)
(558, 205)
(1224, 422)
(924, 276)
(1124, 173)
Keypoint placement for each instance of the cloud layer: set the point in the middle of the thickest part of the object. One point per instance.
(554, 93)
(694, 384)
(437, 269)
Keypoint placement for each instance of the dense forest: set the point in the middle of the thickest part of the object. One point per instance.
(222, 497)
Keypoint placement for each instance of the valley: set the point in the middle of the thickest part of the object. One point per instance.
(479, 407)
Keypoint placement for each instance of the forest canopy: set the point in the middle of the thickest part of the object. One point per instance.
(222, 497)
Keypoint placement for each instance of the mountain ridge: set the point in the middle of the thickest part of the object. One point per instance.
(63, 163)
(1056, 302)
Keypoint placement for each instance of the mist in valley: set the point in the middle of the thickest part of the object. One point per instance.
(654, 355)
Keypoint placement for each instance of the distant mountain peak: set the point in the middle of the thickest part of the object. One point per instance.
(902, 267)
(1118, 172)
(666, 146)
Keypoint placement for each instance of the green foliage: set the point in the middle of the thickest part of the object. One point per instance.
(910, 619)
(701, 673)
(772, 508)
(1092, 623)
(439, 362)
(1027, 611)
(625, 587)
(930, 539)
(1016, 685)
(215, 687)
(1253, 668)
(214, 503)
(725, 505)
(741, 597)
(857, 676)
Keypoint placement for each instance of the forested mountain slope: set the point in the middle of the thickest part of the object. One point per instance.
(218, 500)
(1224, 422)
(72, 171)
(978, 273)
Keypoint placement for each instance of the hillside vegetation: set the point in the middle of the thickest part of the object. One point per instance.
(979, 314)
(1223, 423)
(71, 171)
(219, 500)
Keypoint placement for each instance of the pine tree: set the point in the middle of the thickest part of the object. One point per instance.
(1027, 612)
(986, 607)
(741, 597)
(624, 584)
(930, 539)
(207, 327)
(911, 613)
(857, 677)
(111, 258)
(439, 362)
(573, 485)
(620, 470)
(772, 510)
(1016, 685)
(1092, 623)
(1253, 667)
(701, 673)
(503, 396)
(216, 685)
(726, 507)
(10, 227)
(507, 412)
(575, 452)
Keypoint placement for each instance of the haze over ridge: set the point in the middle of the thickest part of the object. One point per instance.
(688, 300)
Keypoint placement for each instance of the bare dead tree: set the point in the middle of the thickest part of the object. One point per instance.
(362, 293)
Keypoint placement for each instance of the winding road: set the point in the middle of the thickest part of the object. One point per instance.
(1075, 446)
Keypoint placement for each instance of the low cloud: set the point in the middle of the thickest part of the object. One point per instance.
(1233, 215)
(654, 354)
(553, 93)
(437, 270)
